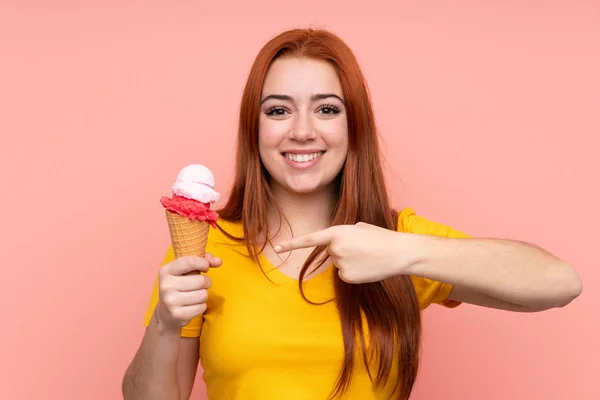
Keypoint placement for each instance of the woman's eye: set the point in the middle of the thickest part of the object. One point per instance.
(276, 111)
(329, 109)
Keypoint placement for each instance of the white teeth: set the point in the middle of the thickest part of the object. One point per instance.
(301, 158)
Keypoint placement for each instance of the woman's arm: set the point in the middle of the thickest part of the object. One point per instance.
(495, 273)
(164, 367)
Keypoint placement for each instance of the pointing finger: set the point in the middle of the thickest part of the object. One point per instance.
(319, 238)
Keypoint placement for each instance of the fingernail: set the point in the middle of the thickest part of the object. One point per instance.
(277, 248)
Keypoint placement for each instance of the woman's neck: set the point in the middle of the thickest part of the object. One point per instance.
(303, 213)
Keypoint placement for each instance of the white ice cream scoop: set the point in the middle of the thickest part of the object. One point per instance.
(196, 182)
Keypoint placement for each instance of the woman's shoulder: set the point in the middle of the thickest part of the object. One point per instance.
(228, 235)
(411, 222)
(228, 228)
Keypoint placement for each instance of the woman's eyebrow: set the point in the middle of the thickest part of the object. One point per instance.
(319, 96)
(277, 97)
(322, 96)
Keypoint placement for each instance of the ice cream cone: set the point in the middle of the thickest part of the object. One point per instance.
(188, 237)
(188, 211)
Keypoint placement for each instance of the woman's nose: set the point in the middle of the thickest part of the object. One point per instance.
(303, 128)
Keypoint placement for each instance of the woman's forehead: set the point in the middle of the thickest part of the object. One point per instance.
(303, 77)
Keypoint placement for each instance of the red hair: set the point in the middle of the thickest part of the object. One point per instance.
(389, 307)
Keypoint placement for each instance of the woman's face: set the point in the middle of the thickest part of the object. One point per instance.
(303, 130)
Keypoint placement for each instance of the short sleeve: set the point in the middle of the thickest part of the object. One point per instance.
(194, 327)
(429, 291)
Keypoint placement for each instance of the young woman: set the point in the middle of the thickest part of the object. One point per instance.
(321, 283)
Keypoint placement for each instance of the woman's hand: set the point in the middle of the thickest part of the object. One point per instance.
(361, 252)
(183, 290)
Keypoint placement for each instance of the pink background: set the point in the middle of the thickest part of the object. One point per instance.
(490, 115)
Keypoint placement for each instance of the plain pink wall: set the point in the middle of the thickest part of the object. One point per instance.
(490, 116)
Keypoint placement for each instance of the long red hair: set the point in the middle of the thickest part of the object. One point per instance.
(390, 307)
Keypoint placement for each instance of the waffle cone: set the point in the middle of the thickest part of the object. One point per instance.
(187, 237)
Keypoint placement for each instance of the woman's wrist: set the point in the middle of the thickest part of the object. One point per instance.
(412, 251)
(163, 328)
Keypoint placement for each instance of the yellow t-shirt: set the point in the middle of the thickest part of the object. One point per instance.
(260, 340)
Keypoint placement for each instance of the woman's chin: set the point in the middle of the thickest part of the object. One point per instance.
(301, 185)
(304, 191)
(306, 188)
